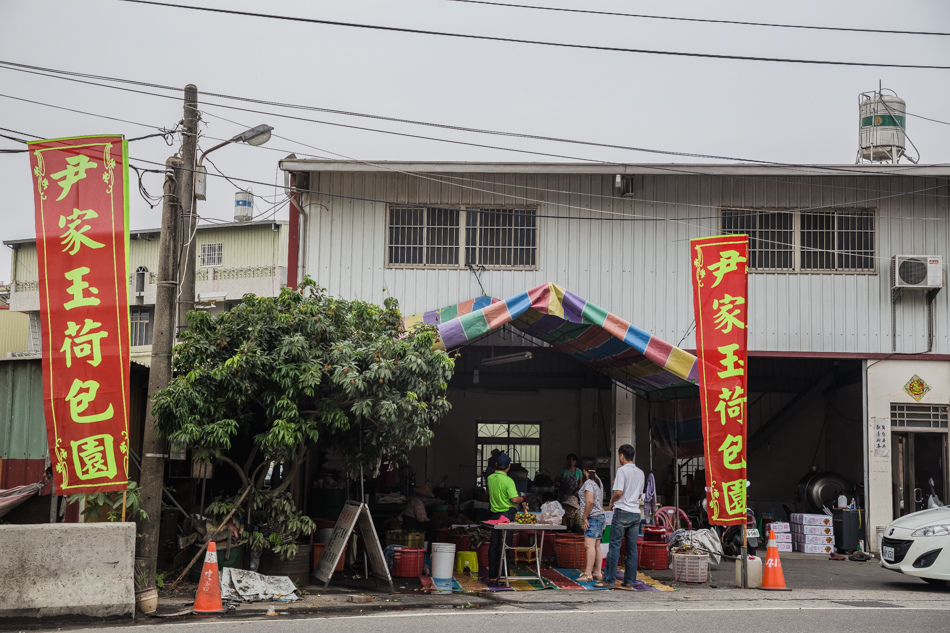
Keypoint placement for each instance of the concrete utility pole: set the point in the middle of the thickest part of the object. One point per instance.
(187, 243)
(160, 371)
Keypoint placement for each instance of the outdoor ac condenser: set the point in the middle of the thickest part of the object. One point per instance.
(924, 272)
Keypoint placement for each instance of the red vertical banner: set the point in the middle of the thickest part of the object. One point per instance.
(81, 195)
(720, 300)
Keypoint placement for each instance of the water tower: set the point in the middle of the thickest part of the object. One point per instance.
(243, 206)
(882, 127)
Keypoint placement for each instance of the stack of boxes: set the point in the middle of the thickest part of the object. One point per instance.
(783, 535)
(813, 533)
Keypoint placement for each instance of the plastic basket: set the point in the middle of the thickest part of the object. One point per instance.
(653, 555)
(690, 567)
(570, 552)
(414, 540)
(407, 562)
(482, 552)
(463, 542)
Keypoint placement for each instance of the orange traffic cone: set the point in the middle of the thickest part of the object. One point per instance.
(208, 598)
(772, 577)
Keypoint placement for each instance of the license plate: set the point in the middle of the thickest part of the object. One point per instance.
(887, 553)
(751, 533)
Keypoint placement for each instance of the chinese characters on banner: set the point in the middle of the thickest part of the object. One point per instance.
(81, 192)
(720, 293)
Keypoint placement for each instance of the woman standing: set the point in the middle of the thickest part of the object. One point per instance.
(568, 479)
(592, 511)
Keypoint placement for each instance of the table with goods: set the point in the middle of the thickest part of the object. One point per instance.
(524, 522)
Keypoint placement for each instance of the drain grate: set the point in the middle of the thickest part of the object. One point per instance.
(872, 604)
(549, 606)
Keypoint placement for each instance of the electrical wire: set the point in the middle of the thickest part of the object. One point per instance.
(702, 20)
(493, 38)
(70, 76)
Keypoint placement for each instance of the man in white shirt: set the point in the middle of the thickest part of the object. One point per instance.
(625, 503)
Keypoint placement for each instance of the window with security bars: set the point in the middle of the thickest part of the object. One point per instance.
(140, 325)
(212, 254)
(841, 240)
(521, 441)
(919, 416)
(440, 237)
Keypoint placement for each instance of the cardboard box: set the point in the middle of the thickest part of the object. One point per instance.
(783, 537)
(784, 547)
(779, 526)
(814, 539)
(811, 529)
(811, 519)
(809, 548)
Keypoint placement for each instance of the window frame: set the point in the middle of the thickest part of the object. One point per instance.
(202, 254)
(463, 233)
(481, 462)
(797, 229)
(136, 325)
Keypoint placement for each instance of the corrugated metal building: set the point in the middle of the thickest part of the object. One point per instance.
(822, 239)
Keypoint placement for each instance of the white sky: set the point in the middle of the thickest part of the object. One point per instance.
(752, 110)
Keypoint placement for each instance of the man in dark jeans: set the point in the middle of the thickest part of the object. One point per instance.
(503, 496)
(625, 503)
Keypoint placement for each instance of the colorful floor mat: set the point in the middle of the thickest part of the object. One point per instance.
(552, 578)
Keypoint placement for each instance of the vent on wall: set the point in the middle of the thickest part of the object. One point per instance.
(923, 272)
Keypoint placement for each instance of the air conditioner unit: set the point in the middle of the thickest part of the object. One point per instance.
(917, 271)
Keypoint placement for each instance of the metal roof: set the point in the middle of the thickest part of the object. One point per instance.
(732, 169)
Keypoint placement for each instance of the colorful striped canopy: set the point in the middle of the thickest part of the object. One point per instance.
(577, 327)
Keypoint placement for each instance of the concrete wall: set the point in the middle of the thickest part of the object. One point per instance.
(56, 570)
(885, 384)
(572, 421)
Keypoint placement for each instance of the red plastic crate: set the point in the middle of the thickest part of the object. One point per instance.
(653, 555)
(407, 562)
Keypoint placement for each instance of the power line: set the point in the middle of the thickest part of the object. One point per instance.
(71, 76)
(493, 38)
(701, 20)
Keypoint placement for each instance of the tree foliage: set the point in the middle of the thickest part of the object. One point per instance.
(299, 370)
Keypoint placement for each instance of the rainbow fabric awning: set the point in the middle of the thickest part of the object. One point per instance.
(575, 326)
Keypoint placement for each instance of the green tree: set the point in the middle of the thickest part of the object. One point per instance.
(295, 371)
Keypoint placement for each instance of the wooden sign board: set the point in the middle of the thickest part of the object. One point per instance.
(353, 512)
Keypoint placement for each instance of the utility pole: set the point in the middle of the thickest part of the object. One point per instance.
(187, 243)
(160, 370)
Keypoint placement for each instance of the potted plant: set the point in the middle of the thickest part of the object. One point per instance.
(146, 593)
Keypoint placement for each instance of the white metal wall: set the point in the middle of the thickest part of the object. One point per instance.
(639, 267)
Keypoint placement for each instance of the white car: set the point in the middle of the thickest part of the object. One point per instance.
(918, 544)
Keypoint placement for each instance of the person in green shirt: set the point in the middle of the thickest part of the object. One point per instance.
(503, 497)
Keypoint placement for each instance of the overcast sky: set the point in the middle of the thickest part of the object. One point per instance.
(749, 110)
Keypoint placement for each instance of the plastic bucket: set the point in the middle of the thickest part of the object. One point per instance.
(443, 560)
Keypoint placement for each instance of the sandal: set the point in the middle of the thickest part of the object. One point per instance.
(600, 584)
(584, 578)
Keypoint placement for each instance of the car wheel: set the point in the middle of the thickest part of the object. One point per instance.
(936, 582)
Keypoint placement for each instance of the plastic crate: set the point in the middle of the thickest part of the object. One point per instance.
(690, 567)
(463, 542)
(414, 540)
(407, 562)
(653, 555)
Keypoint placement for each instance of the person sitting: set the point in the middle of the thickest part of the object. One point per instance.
(572, 516)
(568, 479)
(414, 516)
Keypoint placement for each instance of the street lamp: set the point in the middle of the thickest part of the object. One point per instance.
(186, 302)
(255, 136)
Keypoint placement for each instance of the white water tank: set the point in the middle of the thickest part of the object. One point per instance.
(243, 206)
(883, 121)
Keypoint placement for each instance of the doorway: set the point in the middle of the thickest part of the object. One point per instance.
(918, 458)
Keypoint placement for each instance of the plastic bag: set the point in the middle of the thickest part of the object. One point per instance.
(551, 513)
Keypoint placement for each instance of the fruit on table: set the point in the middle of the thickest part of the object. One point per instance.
(524, 517)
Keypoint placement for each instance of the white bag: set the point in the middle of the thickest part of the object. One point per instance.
(551, 513)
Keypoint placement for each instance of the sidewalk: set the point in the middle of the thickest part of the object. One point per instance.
(810, 578)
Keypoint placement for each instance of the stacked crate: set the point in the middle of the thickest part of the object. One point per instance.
(813, 533)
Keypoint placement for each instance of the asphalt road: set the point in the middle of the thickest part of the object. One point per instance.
(758, 615)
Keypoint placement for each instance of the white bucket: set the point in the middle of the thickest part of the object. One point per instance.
(754, 577)
(880, 535)
(443, 560)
